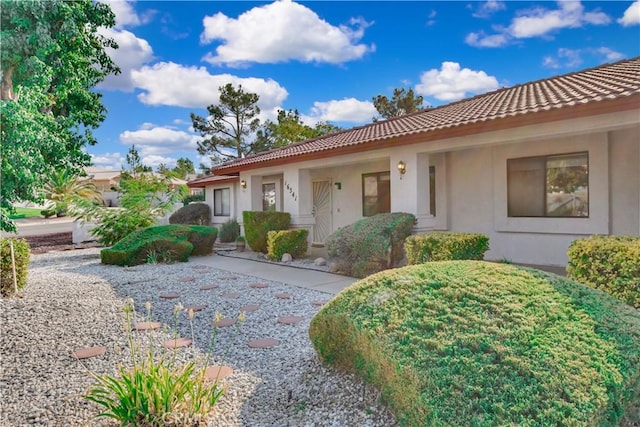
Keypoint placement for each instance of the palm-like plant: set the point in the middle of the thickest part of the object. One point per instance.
(64, 187)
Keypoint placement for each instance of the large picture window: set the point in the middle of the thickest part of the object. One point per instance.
(376, 193)
(549, 186)
(222, 202)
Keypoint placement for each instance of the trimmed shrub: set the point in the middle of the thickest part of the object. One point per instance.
(371, 244)
(478, 343)
(229, 231)
(193, 214)
(292, 242)
(608, 263)
(47, 213)
(21, 254)
(445, 246)
(164, 243)
(193, 198)
(257, 224)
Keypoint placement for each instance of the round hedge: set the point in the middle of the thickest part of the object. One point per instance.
(479, 343)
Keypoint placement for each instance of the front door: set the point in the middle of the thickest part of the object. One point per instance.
(321, 210)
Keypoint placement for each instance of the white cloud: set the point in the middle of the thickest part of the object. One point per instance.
(171, 84)
(486, 9)
(631, 15)
(572, 58)
(159, 140)
(480, 39)
(431, 20)
(345, 110)
(132, 53)
(280, 32)
(125, 13)
(539, 22)
(112, 161)
(451, 82)
(609, 54)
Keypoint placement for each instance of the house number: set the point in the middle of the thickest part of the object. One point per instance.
(290, 190)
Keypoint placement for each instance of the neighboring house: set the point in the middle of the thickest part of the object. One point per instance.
(534, 166)
(106, 181)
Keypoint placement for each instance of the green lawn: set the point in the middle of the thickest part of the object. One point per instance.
(26, 213)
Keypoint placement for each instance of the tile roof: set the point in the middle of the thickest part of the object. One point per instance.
(606, 82)
(211, 179)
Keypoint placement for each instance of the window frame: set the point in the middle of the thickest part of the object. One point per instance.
(544, 161)
(216, 212)
(596, 144)
(364, 196)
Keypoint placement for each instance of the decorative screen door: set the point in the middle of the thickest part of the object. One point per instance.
(321, 210)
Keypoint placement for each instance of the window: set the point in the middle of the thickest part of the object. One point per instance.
(222, 202)
(269, 197)
(376, 193)
(432, 190)
(548, 186)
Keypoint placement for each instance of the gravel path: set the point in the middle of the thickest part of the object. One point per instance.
(72, 301)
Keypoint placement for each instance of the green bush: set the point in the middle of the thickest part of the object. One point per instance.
(445, 246)
(292, 242)
(229, 231)
(371, 244)
(21, 254)
(473, 343)
(47, 213)
(193, 198)
(164, 243)
(143, 199)
(611, 264)
(258, 224)
(193, 214)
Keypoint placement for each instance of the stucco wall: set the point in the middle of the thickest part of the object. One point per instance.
(624, 166)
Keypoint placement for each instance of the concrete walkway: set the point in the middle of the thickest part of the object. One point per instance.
(303, 278)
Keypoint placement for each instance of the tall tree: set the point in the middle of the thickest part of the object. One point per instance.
(134, 164)
(52, 57)
(290, 128)
(183, 167)
(402, 102)
(229, 125)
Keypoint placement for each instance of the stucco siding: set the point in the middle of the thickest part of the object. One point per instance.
(624, 166)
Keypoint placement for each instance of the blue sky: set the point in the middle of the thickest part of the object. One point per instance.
(328, 59)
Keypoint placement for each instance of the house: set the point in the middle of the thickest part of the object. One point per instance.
(534, 166)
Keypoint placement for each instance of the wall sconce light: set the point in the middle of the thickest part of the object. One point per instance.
(243, 184)
(402, 168)
(338, 185)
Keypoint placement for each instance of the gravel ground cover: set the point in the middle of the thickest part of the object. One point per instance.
(72, 301)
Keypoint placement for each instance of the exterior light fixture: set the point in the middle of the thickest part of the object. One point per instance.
(402, 168)
(243, 184)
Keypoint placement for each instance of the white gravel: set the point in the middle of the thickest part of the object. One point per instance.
(72, 301)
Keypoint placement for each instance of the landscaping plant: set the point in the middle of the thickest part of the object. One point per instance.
(229, 231)
(371, 244)
(192, 214)
(608, 263)
(21, 253)
(258, 224)
(292, 242)
(155, 390)
(473, 343)
(143, 199)
(162, 243)
(445, 246)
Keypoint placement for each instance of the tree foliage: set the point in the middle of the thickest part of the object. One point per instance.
(143, 199)
(290, 128)
(229, 125)
(64, 187)
(404, 101)
(52, 57)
